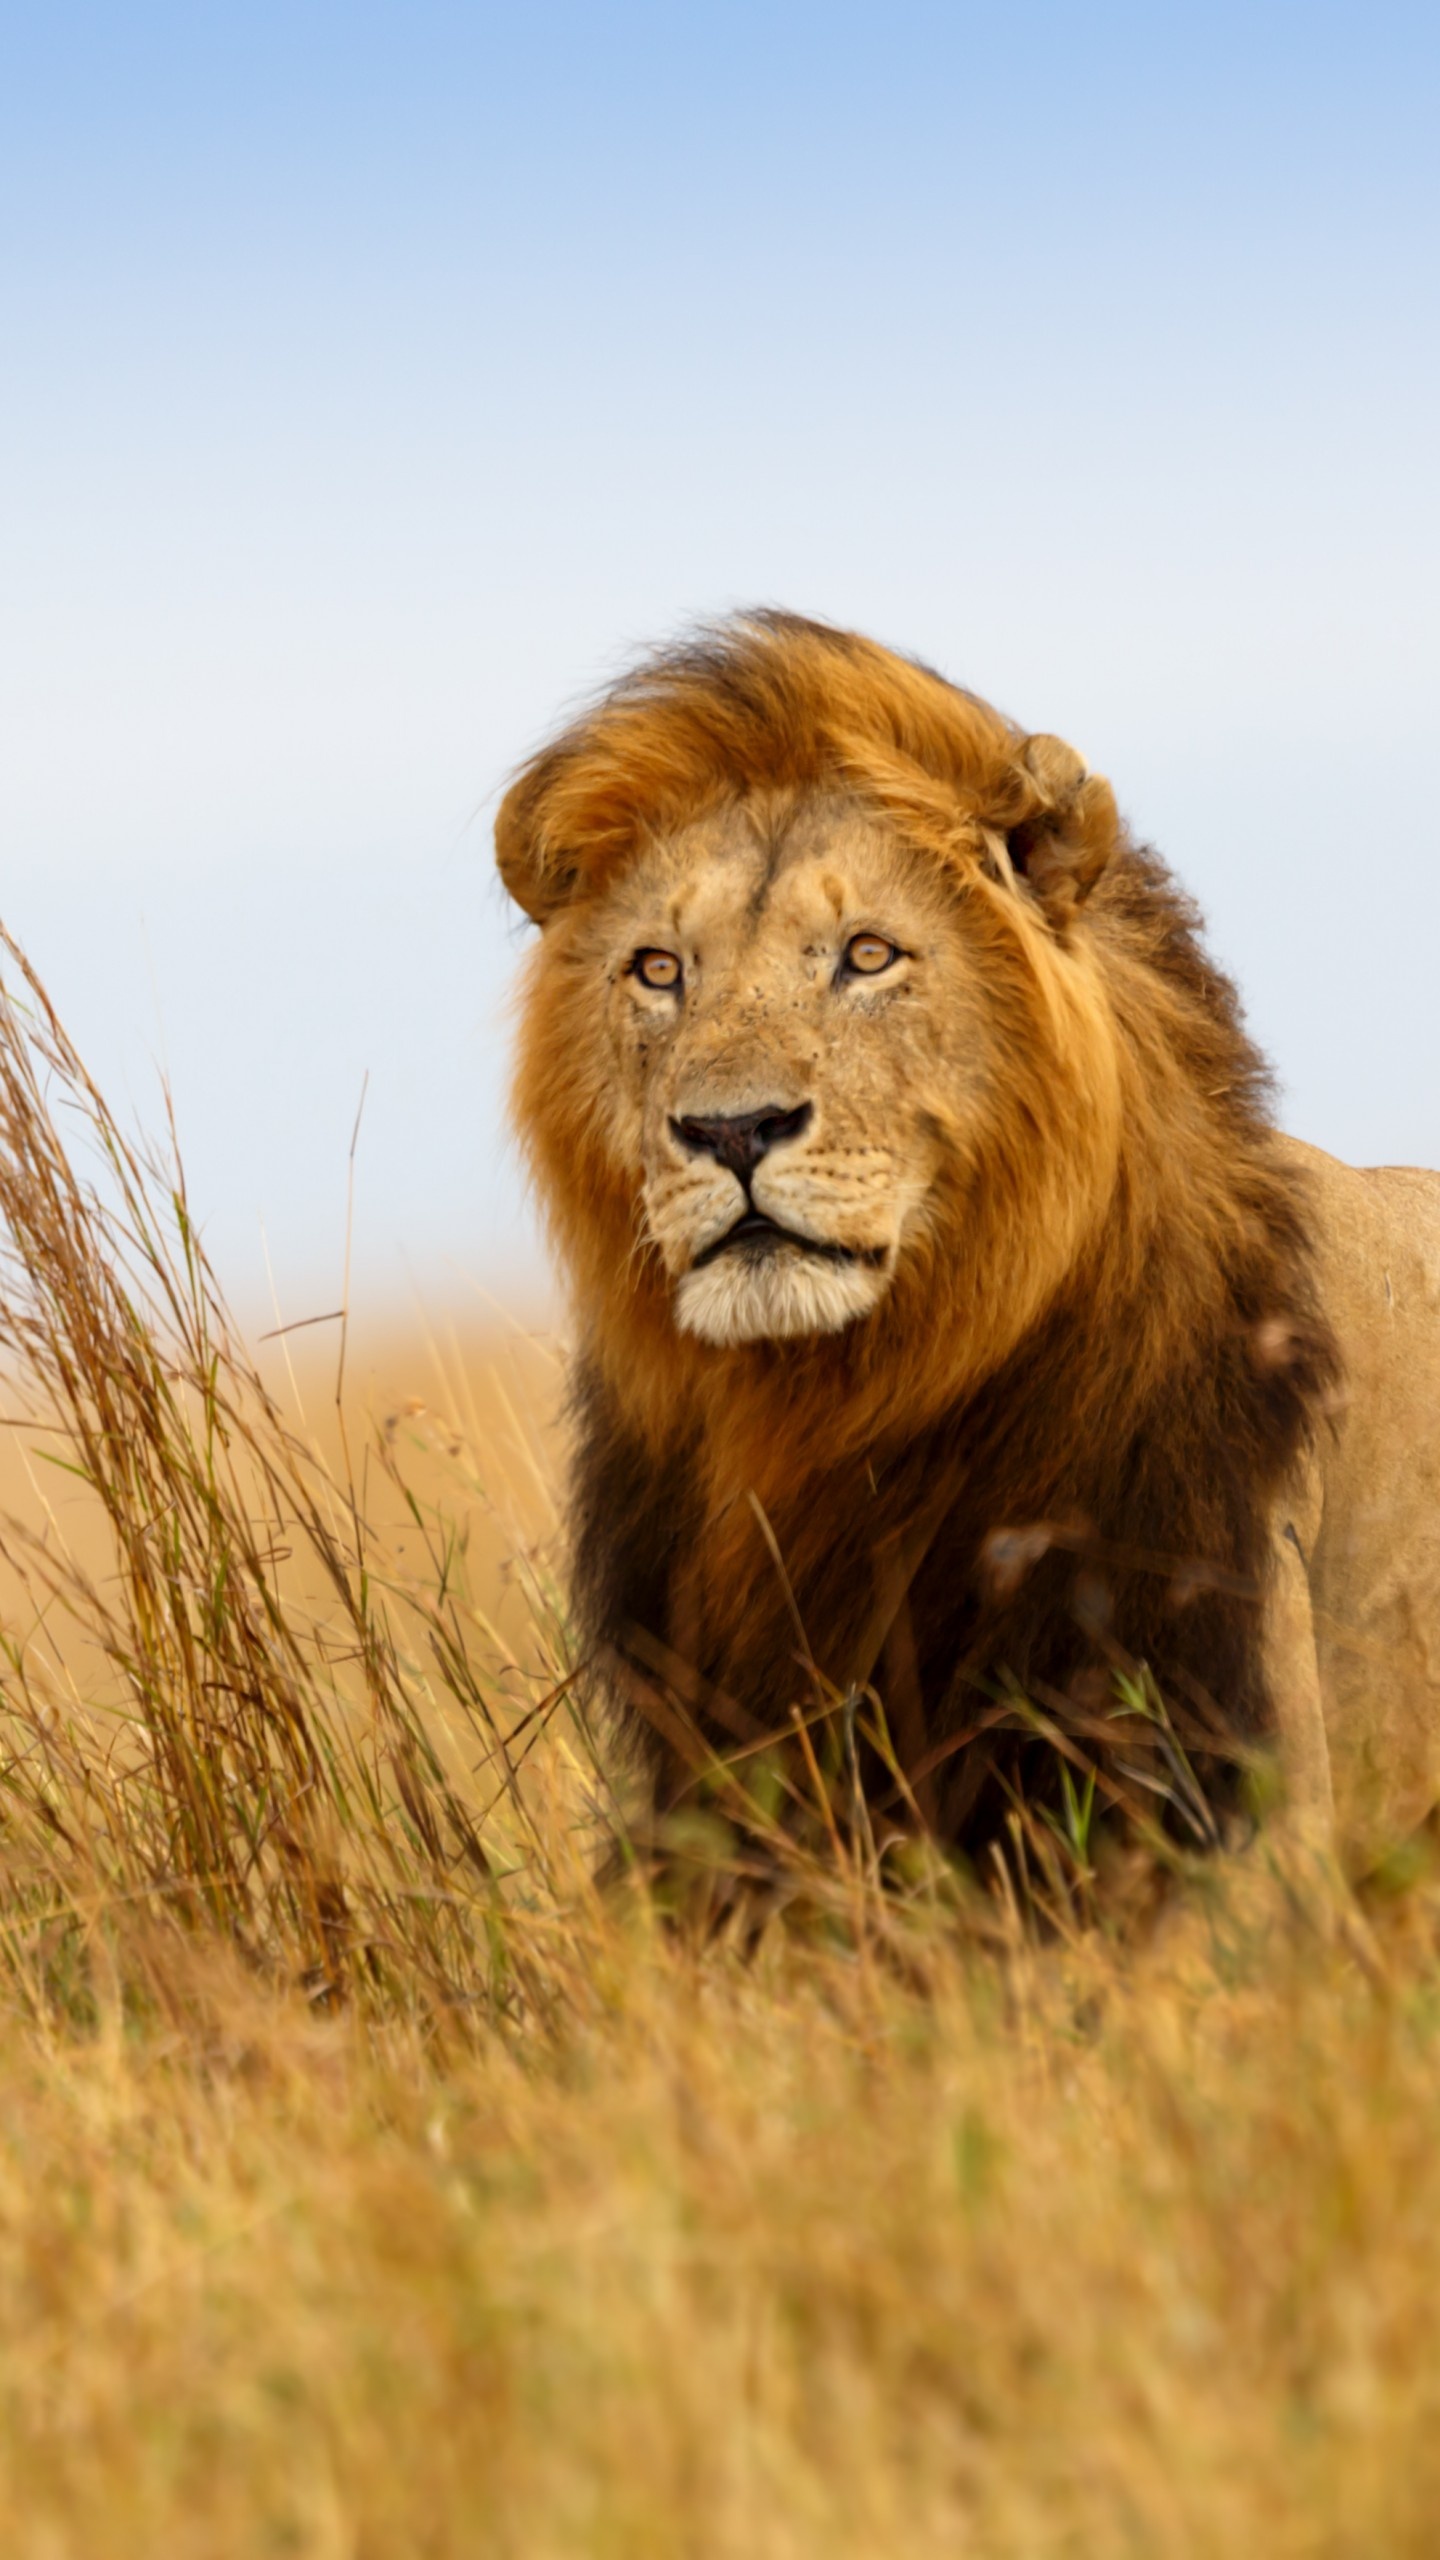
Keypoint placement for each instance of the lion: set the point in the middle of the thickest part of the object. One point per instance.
(957, 1333)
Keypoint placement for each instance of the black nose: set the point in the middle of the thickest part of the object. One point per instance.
(739, 1143)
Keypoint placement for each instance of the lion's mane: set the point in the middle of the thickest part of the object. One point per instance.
(959, 1508)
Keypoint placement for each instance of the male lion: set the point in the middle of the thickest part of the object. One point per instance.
(955, 1327)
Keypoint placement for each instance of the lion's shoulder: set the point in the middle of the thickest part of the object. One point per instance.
(1376, 1235)
(1377, 1232)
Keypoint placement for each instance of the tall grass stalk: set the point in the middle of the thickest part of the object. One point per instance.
(251, 1720)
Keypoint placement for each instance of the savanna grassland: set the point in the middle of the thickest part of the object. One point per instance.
(372, 2185)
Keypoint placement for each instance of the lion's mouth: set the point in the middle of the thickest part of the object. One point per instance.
(758, 1235)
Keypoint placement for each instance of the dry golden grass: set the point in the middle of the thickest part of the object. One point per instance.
(1018, 2258)
(370, 2186)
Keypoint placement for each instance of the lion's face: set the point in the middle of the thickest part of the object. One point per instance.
(818, 1039)
(799, 1053)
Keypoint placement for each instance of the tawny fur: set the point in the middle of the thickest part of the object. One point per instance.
(1085, 1355)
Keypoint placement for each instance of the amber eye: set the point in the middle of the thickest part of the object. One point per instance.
(657, 969)
(868, 953)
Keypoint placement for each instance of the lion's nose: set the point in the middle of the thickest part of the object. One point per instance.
(739, 1142)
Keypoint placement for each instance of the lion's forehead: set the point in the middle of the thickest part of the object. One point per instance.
(761, 873)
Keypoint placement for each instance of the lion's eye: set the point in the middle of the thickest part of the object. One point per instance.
(657, 969)
(868, 953)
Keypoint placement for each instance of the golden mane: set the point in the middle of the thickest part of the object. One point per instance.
(1049, 1454)
(771, 702)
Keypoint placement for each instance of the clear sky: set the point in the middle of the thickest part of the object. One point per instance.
(373, 380)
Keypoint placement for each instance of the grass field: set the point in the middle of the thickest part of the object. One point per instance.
(370, 2185)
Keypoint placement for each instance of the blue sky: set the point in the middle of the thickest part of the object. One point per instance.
(373, 381)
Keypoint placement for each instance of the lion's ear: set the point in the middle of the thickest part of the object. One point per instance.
(1065, 838)
(538, 880)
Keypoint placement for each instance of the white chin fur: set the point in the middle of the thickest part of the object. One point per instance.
(774, 1297)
